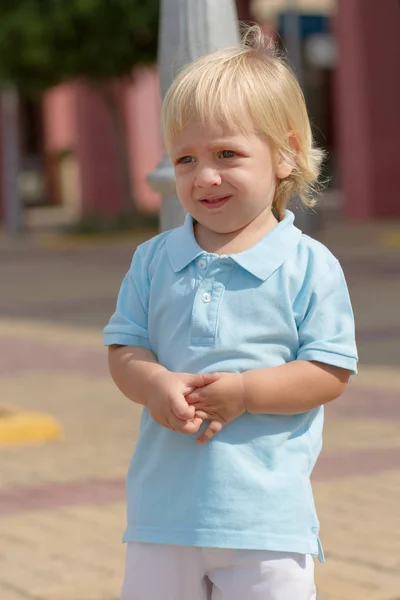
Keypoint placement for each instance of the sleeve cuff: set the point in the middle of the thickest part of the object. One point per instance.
(336, 360)
(124, 339)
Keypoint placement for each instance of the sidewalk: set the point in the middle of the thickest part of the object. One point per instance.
(62, 509)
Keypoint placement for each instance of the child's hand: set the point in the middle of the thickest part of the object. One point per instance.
(167, 404)
(220, 403)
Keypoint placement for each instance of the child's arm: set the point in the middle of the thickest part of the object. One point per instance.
(139, 376)
(289, 389)
(133, 369)
(293, 388)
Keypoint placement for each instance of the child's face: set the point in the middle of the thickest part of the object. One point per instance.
(224, 179)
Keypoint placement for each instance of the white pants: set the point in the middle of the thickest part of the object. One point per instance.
(159, 572)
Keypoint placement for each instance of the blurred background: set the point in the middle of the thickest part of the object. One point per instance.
(82, 111)
(79, 136)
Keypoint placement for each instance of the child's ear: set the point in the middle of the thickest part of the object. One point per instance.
(286, 161)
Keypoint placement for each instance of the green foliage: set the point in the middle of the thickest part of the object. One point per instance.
(45, 42)
(93, 224)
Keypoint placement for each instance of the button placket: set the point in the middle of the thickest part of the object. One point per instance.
(207, 302)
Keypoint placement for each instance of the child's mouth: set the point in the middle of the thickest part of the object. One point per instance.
(216, 202)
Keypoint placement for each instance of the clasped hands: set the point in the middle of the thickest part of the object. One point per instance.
(182, 401)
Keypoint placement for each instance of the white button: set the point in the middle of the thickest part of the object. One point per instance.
(206, 297)
(201, 263)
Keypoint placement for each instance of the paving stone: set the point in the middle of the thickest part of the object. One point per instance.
(62, 508)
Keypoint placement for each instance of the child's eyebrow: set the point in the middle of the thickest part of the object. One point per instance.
(226, 142)
(182, 150)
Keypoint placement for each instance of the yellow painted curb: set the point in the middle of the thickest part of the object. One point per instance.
(391, 239)
(23, 427)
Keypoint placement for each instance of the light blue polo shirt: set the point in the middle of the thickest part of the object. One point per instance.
(283, 299)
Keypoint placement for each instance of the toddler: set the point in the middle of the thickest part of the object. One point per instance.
(232, 331)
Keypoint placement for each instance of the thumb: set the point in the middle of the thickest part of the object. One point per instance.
(181, 408)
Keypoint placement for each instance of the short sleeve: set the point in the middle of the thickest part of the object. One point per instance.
(327, 332)
(128, 324)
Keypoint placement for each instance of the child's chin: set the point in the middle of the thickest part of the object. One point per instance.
(221, 228)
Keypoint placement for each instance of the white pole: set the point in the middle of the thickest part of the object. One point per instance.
(188, 29)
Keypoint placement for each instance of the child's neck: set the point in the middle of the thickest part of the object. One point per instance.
(236, 241)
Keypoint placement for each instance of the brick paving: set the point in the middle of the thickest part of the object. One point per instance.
(62, 509)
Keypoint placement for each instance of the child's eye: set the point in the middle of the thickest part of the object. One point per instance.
(227, 154)
(185, 160)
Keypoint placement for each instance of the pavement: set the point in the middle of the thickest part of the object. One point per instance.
(62, 502)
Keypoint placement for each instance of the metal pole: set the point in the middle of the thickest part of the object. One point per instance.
(188, 30)
(13, 210)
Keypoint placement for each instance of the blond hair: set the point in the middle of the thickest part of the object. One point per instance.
(253, 80)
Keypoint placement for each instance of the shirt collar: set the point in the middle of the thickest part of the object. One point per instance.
(261, 260)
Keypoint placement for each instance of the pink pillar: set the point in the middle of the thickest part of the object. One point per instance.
(142, 108)
(368, 100)
(101, 187)
(243, 10)
(77, 122)
(59, 134)
(1, 179)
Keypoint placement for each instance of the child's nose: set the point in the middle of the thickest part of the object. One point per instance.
(206, 177)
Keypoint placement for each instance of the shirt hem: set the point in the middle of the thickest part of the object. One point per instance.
(226, 539)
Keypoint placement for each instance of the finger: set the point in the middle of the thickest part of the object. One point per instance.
(193, 426)
(203, 415)
(181, 408)
(202, 379)
(187, 427)
(213, 428)
(193, 398)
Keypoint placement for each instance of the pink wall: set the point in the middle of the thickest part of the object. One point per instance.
(75, 119)
(101, 187)
(59, 118)
(1, 178)
(142, 107)
(368, 100)
(59, 133)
